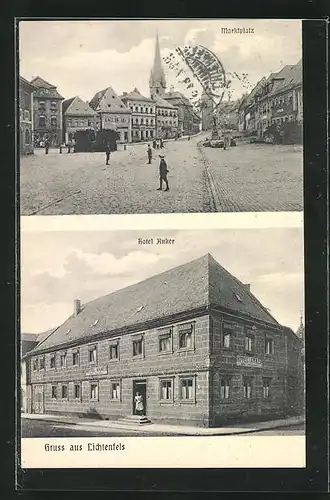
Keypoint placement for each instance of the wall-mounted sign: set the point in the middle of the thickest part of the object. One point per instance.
(97, 370)
(250, 361)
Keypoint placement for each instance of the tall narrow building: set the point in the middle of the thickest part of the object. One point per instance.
(157, 82)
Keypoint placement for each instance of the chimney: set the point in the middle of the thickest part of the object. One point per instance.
(76, 307)
(247, 286)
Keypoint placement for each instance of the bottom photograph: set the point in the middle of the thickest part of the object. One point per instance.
(169, 333)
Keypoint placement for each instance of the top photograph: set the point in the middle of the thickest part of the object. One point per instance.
(159, 116)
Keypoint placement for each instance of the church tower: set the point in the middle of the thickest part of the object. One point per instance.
(157, 82)
(207, 111)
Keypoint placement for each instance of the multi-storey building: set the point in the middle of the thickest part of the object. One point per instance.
(274, 101)
(78, 116)
(167, 119)
(113, 113)
(26, 90)
(143, 117)
(193, 341)
(47, 103)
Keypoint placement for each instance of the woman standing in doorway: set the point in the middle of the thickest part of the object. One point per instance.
(138, 404)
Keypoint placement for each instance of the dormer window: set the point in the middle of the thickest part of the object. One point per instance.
(238, 297)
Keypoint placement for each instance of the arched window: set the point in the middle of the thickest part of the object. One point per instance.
(147, 121)
(53, 122)
(27, 136)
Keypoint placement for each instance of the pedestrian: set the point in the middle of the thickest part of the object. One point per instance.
(139, 407)
(69, 146)
(46, 146)
(161, 144)
(189, 138)
(60, 148)
(149, 153)
(107, 153)
(163, 171)
(157, 143)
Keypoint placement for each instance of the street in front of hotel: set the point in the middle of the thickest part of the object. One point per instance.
(61, 426)
(245, 178)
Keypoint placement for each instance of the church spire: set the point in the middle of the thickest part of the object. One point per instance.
(157, 82)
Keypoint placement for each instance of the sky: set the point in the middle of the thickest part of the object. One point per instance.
(83, 57)
(60, 266)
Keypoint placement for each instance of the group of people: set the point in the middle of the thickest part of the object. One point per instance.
(158, 144)
(70, 146)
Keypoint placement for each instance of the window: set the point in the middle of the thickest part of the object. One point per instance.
(224, 388)
(27, 115)
(114, 350)
(53, 104)
(53, 361)
(76, 391)
(115, 391)
(63, 360)
(249, 343)
(42, 122)
(227, 332)
(186, 337)
(94, 391)
(42, 363)
(266, 388)
(165, 342)
(187, 389)
(75, 358)
(54, 392)
(92, 354)
(53, 122)
(247, 385)
(166, 390)
(35, 365)
(138, 346)
(64, 393)
(269, 346)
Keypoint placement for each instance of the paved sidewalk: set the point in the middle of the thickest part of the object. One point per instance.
(175, 429)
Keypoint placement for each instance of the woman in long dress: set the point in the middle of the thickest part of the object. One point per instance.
(139, 404)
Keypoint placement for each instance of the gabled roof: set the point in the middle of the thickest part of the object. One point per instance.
(289, 76)
(40, 82)
(26, 82)
(135, 95)
(161, 103)
(107, 100)
(77, 107)
(197, 284)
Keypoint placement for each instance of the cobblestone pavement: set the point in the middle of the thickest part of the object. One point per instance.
(256, 177)
(81, 183)
(248, 177)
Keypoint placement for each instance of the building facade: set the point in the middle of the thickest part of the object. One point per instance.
(47, 115)
(113, 114)
(78, 116)
(193, 342)
(26, 116)
(167, 119)
(274, 106)
(143, 117)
